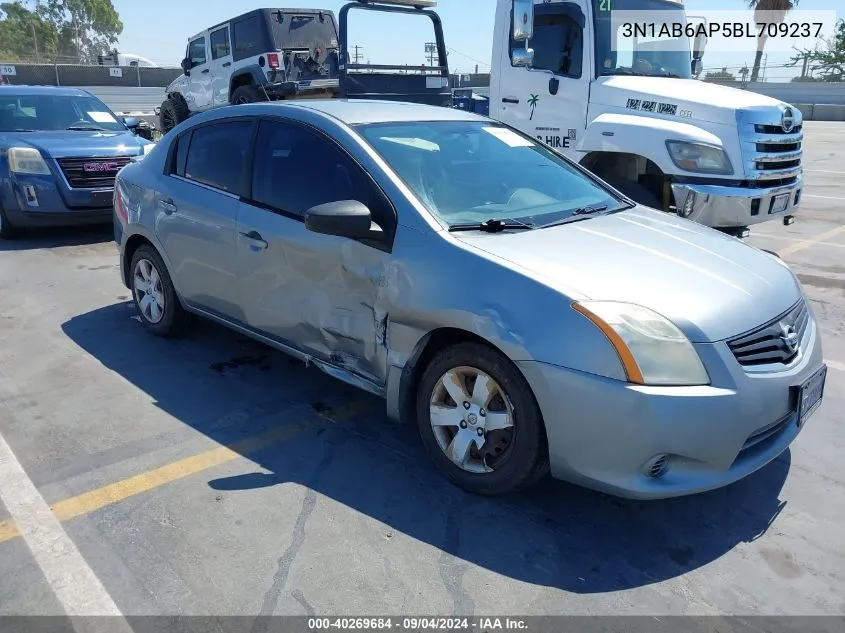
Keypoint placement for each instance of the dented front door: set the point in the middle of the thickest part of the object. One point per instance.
(319, 293)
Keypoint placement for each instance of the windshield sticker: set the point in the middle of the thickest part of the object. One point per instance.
(101, 117)
(669, 109)
(511, 138)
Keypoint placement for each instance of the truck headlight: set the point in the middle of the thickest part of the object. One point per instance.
(699, 157)
(27, 160)
(652, 349)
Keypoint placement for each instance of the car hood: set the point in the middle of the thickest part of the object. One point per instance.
(709, 284)
(72, 143)
(695, 100)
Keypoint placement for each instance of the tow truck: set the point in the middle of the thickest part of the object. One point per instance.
(632, 111)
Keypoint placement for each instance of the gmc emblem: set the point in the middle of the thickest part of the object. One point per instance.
(100, 167)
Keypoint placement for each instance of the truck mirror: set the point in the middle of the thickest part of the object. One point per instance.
(697, 67)
(186, 66)
(523, 19)
(522, 57)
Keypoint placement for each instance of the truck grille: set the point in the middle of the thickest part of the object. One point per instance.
(92, 172)
(772, 154)
(776, 342)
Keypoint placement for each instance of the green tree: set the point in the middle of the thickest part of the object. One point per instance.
(828, 60)
(767, 11)
(58, 30)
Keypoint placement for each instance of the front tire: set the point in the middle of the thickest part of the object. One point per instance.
(479, 421)
(174, 110)
(8, 231)
(155, 297)
(638, 193)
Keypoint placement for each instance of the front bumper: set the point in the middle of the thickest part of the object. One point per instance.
(731, 207)
(32, 201)
(603, 433)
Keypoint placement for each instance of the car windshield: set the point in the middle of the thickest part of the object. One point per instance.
(469, 172)
(49, 112)
(620, 53)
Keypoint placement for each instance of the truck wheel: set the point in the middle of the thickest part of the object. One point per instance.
(174, 110)
(247, 94)
(638, 193)
(479, 421)
(7, 229)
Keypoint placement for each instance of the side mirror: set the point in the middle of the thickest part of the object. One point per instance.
(523, 20)
(523, 57)
(186, 66)
(697, 66)
(131, 122)
(344, 218)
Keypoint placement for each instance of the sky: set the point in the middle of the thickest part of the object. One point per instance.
(159, 30)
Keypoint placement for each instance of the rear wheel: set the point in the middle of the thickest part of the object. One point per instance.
(173, 111)
(7, 229)
(247, 94)
(479, 421)
(155, 297)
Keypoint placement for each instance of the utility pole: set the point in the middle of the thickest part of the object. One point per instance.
(431, 51)
(358, 54)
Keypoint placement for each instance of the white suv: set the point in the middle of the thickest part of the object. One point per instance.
(261, 55)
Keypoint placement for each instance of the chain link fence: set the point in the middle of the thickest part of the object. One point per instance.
(76, 75)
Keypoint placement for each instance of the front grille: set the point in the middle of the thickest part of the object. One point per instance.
(92, 172)
(771, 155)
(768, 344)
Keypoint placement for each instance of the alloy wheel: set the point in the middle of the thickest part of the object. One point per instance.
(472, 419)
(149, 294)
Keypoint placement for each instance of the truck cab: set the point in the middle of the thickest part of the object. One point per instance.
(633, 111)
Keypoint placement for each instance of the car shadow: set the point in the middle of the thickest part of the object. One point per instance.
(555, 535)
(36, 239)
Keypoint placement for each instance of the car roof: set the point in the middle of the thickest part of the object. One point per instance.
(357, 111)
(44, 90)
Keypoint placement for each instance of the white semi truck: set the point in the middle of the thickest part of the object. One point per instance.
(633, 112)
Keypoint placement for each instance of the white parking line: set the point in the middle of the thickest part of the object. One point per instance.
(835, 364)
(76, 586)
(810, 241)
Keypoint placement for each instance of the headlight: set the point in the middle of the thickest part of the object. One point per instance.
(652, 349)
(27, 160)
(699, 157)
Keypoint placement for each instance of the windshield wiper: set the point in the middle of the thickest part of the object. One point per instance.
(490, 226)
(87, 128)
(581, 213)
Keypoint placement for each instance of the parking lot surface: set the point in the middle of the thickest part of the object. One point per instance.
(212, 475)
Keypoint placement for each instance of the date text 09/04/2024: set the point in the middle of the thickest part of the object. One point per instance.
(479, 624)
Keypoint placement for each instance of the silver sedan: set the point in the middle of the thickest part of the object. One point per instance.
(524, 315)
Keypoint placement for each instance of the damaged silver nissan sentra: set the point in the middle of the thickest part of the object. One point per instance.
(529, 318)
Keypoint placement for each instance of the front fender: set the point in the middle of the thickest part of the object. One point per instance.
(177, 85)
(643, 136)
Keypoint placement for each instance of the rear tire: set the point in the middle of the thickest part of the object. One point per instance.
(247, 94)
(174, 110)
(639, 194)
(7, 230)
(154, 296)
(497, 444)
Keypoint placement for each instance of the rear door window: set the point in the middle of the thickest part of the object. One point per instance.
(217, 156)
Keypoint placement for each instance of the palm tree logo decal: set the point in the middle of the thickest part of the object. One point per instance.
(532, 103)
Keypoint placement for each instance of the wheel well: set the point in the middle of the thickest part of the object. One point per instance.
(616, 166)
(244, 79)
(132, 245)
(428, 346)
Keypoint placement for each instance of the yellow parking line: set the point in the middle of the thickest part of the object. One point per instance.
(113, 493)
(810, 241)
(8, 531)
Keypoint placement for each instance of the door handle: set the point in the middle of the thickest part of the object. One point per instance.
(168, 206)
(255, 236)
(205, 71)
(509, 100)
(227, 64)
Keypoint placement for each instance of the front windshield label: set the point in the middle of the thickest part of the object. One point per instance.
(101, 117)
